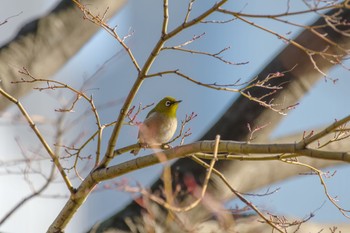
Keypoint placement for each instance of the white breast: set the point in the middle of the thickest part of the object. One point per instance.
(157, 128)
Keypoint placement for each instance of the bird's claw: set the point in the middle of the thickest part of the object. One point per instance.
(166, 146)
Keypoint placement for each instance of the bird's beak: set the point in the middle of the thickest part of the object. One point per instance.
(178, 101)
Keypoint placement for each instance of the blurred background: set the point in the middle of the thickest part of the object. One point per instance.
(103, 61)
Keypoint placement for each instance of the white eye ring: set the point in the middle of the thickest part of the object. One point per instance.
(168, 103)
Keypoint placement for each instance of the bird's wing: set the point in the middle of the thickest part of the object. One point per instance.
(150, 113)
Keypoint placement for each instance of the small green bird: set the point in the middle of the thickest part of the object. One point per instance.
(160, 124)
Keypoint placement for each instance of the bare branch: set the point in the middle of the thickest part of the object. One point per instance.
(30, 197)
(8, 18)
(41, 138)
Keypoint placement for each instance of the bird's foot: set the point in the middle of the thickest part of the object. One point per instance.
(166, 146)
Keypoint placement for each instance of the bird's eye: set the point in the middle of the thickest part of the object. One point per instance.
(168, 103)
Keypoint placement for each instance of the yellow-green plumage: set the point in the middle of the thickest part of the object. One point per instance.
(160, 124)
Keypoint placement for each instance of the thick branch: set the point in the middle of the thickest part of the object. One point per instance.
(283, 151)
(230, 147)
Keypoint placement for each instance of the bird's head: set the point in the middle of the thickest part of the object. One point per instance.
(167, 106)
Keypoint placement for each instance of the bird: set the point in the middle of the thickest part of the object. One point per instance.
(160, 123)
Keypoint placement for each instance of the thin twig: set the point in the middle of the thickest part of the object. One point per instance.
(41, 138)
(323, 183)
(31, 196)
(240, 196)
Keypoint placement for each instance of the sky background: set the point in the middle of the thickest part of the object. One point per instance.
(103, 58)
